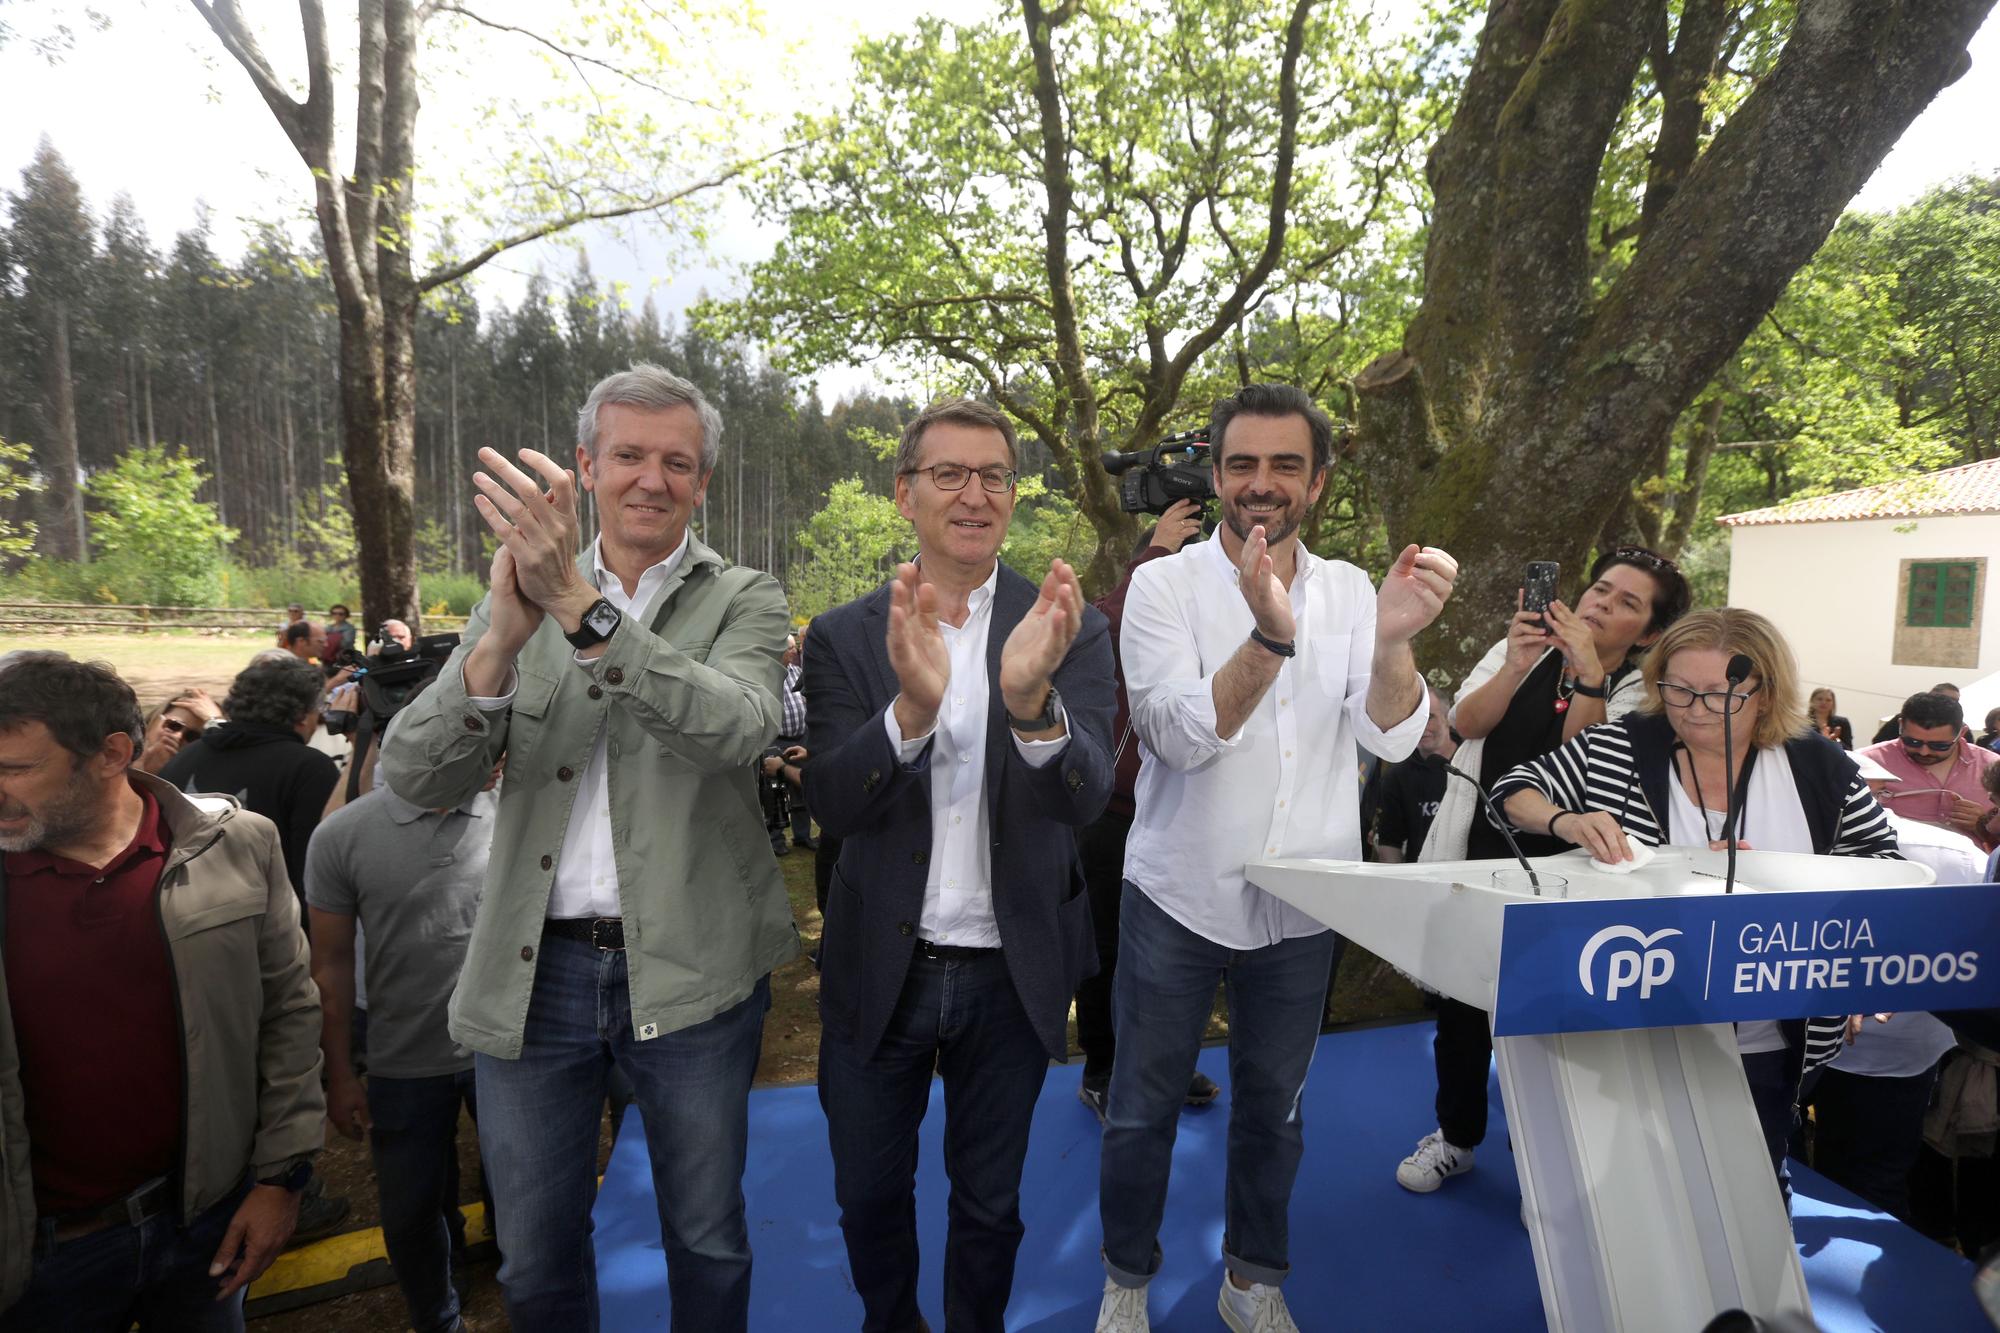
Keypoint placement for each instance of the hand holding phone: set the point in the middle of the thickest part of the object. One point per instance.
(1538, 587)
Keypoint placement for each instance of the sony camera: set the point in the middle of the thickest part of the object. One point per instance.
(1176, 468)
(388, 677)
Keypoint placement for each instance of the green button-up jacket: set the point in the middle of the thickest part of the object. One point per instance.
(687, 696)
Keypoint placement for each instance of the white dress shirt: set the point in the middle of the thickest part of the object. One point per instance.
(1285, 784)
(958, 891)
(586, 883)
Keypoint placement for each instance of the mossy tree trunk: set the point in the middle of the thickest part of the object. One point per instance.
(1527, 398)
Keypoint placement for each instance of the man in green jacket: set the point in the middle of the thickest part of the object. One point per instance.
(632, 913)
(159, 1029)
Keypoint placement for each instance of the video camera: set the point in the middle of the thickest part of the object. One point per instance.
(1176, 468)
(389, 677)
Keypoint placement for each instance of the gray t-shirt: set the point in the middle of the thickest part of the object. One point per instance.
(413, 877)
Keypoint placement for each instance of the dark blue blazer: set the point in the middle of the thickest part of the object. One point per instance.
(861, 792)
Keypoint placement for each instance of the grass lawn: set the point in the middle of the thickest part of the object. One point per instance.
(160, 663)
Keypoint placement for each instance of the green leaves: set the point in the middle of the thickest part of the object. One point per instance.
(156, 540)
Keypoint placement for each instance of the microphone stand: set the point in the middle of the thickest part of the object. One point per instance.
(1739, 671)
(1501, 821)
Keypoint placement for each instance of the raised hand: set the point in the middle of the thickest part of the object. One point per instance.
(538, 527)
(1263, 591)
(1029, 659)
(1570, 632)
(917, 652)
(512, 618)
(1527, 640)
(1413, 593)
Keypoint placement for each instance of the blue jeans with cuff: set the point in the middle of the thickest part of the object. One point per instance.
(1161, 1000)
(538, 1124)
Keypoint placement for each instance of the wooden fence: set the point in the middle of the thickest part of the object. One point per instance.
(53, 617)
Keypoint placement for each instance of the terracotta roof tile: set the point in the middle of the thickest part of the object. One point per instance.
(1973, 488)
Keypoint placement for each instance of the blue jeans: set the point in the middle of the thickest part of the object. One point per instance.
(415, 1147)
(964, 1020)
(1162, 999)
(155, 1273)
(539, 1117)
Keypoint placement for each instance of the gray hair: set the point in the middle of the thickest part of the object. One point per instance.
(654, 389)
(959, 412)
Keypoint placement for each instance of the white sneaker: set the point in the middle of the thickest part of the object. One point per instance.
(1259, 1310)
(1433, 1163)
(1123, 1310)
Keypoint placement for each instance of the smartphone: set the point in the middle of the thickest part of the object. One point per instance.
(1538, 587)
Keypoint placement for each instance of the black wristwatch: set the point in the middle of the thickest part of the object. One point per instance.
(294, 1177)
(599, 623)
(1051, 714)
(1598, 691)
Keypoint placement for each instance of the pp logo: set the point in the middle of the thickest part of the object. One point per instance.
(1641, 963)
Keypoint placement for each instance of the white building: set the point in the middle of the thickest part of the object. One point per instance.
(1882, 591)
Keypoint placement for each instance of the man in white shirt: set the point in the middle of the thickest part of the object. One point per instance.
(960, 729)
(1253, 668)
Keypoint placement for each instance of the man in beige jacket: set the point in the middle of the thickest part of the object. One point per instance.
(159, 1029)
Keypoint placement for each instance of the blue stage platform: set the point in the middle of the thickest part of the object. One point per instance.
(1366, 1254)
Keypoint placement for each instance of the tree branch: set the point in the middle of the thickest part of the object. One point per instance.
(451, 273)
(577, 59)
(1763, 198)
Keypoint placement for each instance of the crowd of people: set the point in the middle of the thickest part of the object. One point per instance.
(559, 886)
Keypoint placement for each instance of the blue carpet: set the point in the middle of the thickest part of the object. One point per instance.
(1366, 1254)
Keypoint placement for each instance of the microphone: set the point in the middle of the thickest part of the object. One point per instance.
(1740, 667)
(1500, 820)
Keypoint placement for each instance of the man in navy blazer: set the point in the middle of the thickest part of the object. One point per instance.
(959, 722)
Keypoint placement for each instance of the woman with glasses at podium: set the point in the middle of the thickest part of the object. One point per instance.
(1656, 777)
(1542, 684)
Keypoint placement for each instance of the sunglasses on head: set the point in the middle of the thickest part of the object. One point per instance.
(175, 727)
(1937, 746)
(1644, 559)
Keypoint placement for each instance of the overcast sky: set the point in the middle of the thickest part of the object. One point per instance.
(152, 107)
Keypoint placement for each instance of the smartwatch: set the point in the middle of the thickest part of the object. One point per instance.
(1045, 721)
(599, 623)
(293, 1177)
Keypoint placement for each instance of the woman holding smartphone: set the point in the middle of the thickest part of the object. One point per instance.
(1554, 674)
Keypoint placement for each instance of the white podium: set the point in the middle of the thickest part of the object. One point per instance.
(1647, 1189)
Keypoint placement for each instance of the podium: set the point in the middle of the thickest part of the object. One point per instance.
(1646, 1187)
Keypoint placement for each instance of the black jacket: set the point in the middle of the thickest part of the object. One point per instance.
(268, 769)
(861, 792)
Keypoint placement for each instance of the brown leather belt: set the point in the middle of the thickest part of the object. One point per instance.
(599, 932)
(149, 1200)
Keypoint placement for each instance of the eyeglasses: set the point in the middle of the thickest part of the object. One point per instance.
(953, 476)
(1644, 559)
(175, 727)
(1936, 747)
(1716, 701)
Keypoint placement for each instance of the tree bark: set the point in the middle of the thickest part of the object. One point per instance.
(1520, 408)
(65, 535)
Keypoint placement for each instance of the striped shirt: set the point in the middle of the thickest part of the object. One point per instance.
(1610, 767)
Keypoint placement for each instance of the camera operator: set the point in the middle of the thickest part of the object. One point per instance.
(779, 780)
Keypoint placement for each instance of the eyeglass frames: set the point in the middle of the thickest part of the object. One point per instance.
(1936, 747)
(954, 476)
(176, 727)
(1715, 701)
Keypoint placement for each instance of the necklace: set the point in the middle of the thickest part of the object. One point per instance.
(1565, 688)
(1701, 803)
